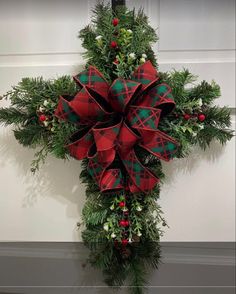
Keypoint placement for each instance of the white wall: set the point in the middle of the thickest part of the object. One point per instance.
(39, 38)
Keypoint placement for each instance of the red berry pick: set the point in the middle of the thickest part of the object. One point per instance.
(201, 117)
(124, 242)
(122, 204)
(124, 223)
(42, 117)
(115, 22)
(186, 116)
(113, 44)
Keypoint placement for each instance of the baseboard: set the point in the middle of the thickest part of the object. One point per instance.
(201, 253)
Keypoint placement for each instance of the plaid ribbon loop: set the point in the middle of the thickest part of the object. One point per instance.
(116, 118)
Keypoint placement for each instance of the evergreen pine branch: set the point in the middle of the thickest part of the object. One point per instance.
(188, 97)
(59, 139)
(137, 276)
(211, 133)
(12, 116)
(99, 53)
(178, 81)
(205, 91)
(94, 214)
(218, 116)
(39, 158)
(26, 99)
(30, 136)
(31, 92)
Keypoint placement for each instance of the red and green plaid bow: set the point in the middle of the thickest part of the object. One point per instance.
(115, 119)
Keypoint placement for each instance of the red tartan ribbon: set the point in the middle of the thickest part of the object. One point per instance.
(116, 118)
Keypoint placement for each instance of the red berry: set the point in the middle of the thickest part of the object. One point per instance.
(42, 117)
(115, 22)
(113, 44)
(124, 242)
(201, 117)
(126, 223)
(116, 61)
(186, 116)
(122, 204)
(122, 223)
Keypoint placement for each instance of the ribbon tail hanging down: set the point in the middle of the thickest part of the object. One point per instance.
(102, 154)
(107, 179)
(142, 179)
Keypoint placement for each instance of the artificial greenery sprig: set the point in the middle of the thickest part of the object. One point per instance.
(31, 113)
(131, 37)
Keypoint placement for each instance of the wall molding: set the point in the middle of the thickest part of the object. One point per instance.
(64, 63)
(222, 69)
